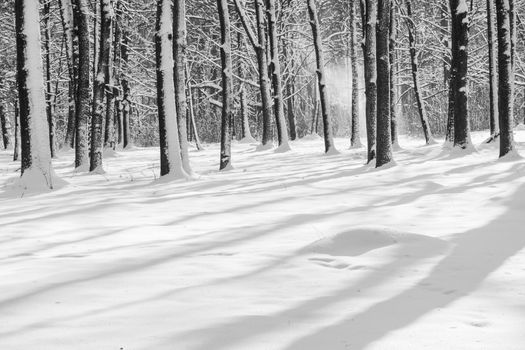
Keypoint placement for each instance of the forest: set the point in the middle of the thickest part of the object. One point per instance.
(262, 174)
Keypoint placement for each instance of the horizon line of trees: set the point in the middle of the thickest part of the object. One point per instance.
(86, 53)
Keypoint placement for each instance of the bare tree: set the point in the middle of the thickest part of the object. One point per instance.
(100, 83)
(83, 94)
(370, 76)
(411, 29)
(37, 171)
(275, 72)
(460, 24)
(355, 139)
(321, 77)
(179, 57)
(505, 77)
(493, 72)
(170, 157)
(384, 140)
(227, 83)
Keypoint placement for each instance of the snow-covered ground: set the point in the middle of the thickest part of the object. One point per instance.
(295, 251)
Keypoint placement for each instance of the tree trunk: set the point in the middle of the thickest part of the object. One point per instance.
(384, 140)
(179, 69)
(460, 24)
(5, 131)
(192, 117)
(321, 77)
(505, 77)
(227, 85)
(445, 27)
(393, 88)
(415, 73)
(109, 130)
(66, 14)
(83, 96)
(290, 88)
(259, 45)
(355, 139)
(449, 74)
(170, 156)
(493, 74)
(100, 84)
(126, 102)
(371, 77)
(37, 171)
(17, 132)
(275, 73)
(117, 72)
(49, 106)
(243, 99)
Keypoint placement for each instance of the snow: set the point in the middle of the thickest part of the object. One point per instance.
(462, 7)
(294, 250)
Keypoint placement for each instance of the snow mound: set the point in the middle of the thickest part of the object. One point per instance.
(283, 148)
(248, 140)
(311, 137)
(109, 153)
(362, 240)
(520, 127)
(33, 181)
(332, 152)
(266, 147)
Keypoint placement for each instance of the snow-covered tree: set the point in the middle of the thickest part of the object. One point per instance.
(170, 155)
(460, 39)
(179, 57)
(329, 146)
(275, 72)
(102, 80)
(505, 77)
(37, 171)
(83, 94)
(384, 141)
(227, 80)
(370, 64)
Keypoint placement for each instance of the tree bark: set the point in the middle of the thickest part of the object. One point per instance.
(109, 129)
(227, 85)
(371, 77)
(179, 69)
(170, 156)
(321, 77)
(384, 140)
(192, 117)
(460, 24)
(259, 46)
(49, 93)
(126, 101)
(36, 153)
(493, 74)
(290, 88)
(450, 74)
(5, 131)
(83, 93)
(17, 133)
(66, 14)
(275, 73)
(505, 77)
(100, 84)
(415, 73)
(243, 98)
(393, 88)
(355, 139)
